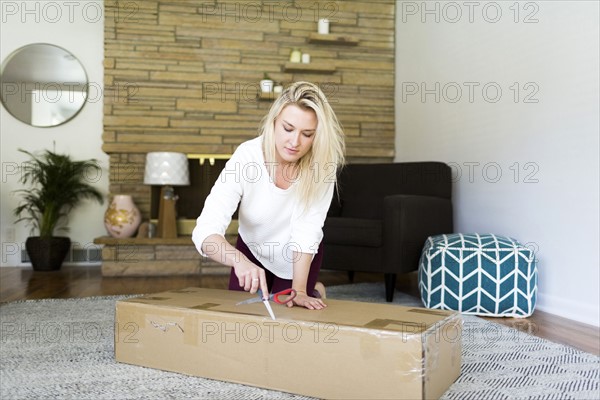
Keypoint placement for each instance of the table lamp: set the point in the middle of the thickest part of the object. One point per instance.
(167, 169)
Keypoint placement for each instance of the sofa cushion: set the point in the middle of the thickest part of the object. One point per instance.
(362, 208)
(353, 232)
(363, 186)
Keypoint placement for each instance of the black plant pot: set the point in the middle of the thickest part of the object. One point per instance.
(47, 254)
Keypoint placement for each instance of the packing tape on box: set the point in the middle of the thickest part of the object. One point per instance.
(205, 306)
(407, 364)
(148, 298)
(429, 312)
(191, 324)
(406, 326)
(140, 318)
(190, 336)
(450, 332)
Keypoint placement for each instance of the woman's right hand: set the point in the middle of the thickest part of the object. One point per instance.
(251, 277)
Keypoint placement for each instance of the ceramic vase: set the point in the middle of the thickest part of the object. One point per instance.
(122, 217)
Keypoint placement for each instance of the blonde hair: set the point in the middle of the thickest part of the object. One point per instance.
(317, 168)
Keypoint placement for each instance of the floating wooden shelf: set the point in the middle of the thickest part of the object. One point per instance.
(310, 68)
(267, 96)
(332, 39)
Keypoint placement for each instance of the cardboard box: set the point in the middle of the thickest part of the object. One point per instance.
(349, 350)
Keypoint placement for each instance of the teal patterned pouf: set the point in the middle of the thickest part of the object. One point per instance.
(480, 274)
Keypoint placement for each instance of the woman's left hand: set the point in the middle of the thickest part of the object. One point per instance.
(303, 300)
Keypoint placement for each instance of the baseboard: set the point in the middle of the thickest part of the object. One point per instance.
(75, 256)
(573, 310)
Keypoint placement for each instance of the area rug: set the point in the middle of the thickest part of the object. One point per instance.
(64, 349)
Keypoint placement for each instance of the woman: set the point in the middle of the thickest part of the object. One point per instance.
(283, 182)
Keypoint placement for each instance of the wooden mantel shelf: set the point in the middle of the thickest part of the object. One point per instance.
(159, 256)
(111, 241)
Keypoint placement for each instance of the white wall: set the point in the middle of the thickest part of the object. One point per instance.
(77, 27)
(552, 201)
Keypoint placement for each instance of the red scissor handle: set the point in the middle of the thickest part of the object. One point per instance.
(290, 292)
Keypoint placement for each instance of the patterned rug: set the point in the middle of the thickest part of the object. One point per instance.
(64, 349)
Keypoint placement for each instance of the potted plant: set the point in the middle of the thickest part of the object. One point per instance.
(57, 185)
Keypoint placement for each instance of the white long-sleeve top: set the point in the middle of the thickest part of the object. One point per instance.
(271, 220)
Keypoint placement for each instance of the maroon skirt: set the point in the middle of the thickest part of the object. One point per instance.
(275, 283)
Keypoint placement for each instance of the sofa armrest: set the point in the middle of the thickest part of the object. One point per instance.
(407, 222)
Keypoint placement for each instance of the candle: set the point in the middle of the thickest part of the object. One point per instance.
(306, 58)
(323, 26)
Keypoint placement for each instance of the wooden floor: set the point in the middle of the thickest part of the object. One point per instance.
(23, 283)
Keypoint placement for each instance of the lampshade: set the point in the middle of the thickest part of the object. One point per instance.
(166, 168)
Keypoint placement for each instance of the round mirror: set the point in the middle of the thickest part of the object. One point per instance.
(43, 85)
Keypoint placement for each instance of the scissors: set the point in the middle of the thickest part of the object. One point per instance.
(272, 297)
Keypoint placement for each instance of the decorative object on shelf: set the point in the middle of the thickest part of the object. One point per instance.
(59, 184)
(323, 26)
(143, 231)
(167, 169)
(278, 88)
(295, 55)
(266, 84)
(146, 230)
(151, 230)
(122, 217)
(306, 58)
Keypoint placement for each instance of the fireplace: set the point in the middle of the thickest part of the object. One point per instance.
(204, 171)
(144, 256)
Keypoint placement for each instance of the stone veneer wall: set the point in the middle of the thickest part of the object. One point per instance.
(183, 76)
